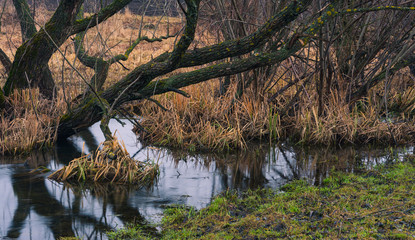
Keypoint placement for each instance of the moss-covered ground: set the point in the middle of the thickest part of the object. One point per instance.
(372, 204)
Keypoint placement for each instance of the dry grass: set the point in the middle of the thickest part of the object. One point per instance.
(204, 121)
(110, 38)
(30, 124)
(207, 122)
(362, 123)
(111, 163)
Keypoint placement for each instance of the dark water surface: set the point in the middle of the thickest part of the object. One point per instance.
(33, 207)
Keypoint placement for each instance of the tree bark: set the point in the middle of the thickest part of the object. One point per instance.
(27, 23)
(89, 112)
(31, 60)
(139, 80)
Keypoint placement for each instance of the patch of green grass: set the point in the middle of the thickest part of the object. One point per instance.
(130, 232)
(376, 204)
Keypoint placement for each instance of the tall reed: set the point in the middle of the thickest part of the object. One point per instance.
(30, 124)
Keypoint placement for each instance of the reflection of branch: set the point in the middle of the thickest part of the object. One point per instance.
(46, 206)
(281, 174)
(289, 164)
(19, 217)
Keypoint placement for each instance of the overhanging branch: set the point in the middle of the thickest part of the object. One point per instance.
(104, 14)
(218, 70)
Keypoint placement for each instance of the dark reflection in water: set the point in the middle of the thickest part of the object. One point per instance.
(33, 207)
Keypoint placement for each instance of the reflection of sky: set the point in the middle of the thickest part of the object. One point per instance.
(184, 183)
(193, 181)
(8, 202)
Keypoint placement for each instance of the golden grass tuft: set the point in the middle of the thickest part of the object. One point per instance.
(30, 124)
(111, 163)
(204, 121)
(365, 122)
(208, 122)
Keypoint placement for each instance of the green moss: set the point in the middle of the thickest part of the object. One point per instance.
(130, 232)
(2, 100)
(374, 204)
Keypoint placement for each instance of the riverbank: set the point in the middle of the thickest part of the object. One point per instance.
(372, 204)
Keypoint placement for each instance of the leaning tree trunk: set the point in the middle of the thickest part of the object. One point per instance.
(137, 84)
(30, 66)
(31, 60)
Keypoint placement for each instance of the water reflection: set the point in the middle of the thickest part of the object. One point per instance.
(33, 207)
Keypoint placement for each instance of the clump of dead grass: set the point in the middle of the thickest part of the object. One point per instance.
(110, 163)
(364, 122)
(30, 124)
(208, 122)
(204, 121)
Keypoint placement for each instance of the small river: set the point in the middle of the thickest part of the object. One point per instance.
(33, 207)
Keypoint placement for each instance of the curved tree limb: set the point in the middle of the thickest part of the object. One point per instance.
(188, 36)
(104, 14)
(89, 112)
(215, 71)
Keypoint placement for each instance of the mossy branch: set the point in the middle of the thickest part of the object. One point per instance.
(137, 80)
(91, 21)
(124, 57)
(188, 36)
(27, 24)
(219, 70)
(237, 47)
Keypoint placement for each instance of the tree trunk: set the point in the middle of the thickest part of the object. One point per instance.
(31, 61)
(31, 66)
(27, 23)
(137, 84)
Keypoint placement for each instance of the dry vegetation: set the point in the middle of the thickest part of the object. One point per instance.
(205, 120)
(110, 163)
(32, 125)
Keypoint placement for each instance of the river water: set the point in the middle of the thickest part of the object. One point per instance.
(33, 207)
